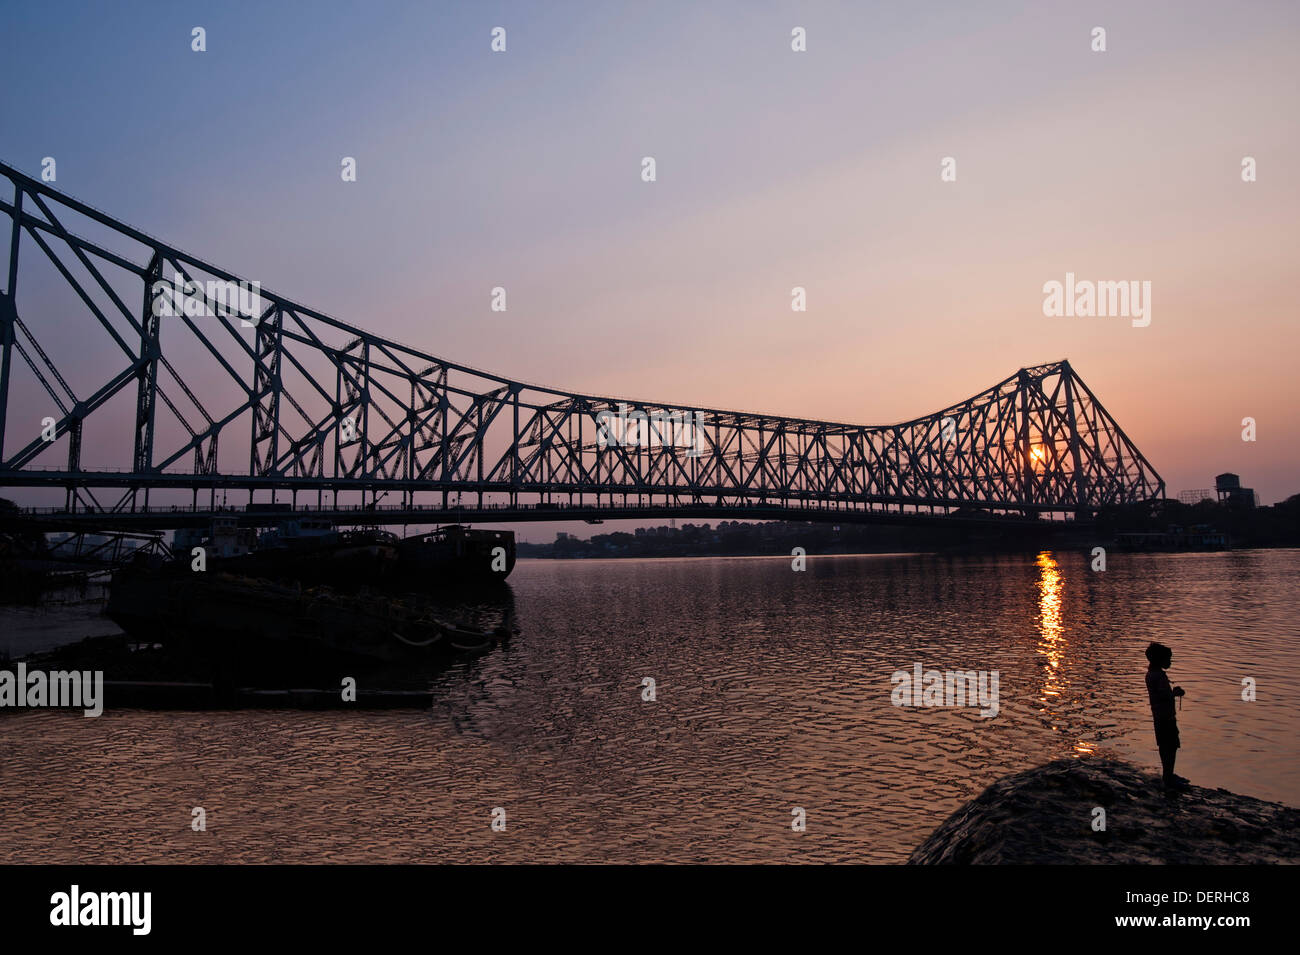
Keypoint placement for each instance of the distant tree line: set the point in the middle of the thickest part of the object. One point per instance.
(1246, 526)
(741, 539)
(1275, 526)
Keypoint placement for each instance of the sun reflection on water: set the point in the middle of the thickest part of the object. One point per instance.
(1051, 631)
(1053, 645)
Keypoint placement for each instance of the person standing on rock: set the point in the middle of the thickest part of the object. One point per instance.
(1162, 711)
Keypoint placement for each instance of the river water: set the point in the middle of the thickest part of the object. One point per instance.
(772, 692)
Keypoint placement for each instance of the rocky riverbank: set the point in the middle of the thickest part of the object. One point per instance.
(1046, 816)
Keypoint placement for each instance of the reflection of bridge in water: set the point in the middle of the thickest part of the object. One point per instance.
(204, 388)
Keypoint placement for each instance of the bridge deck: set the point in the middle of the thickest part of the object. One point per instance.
(171, 517)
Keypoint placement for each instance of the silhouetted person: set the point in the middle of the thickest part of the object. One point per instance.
(1162, 711)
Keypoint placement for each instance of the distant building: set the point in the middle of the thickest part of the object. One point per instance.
(1230, 491)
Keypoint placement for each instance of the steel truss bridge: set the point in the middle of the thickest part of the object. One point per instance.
(204, 388)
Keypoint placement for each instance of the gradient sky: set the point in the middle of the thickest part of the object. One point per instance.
(775, 169)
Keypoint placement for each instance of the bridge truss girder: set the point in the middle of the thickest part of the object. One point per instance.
(327, 406)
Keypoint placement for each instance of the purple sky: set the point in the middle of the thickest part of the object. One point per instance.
(775, 169)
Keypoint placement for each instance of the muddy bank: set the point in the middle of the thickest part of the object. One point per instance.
(62, 616)
(1045, 816)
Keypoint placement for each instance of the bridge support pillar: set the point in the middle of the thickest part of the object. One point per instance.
(147, 373)
(8, 315)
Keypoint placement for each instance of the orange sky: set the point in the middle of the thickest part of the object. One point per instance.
(775, 169)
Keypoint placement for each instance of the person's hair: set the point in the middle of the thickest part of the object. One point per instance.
(1158, 653)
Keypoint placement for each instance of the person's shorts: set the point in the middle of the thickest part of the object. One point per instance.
(1167, 735)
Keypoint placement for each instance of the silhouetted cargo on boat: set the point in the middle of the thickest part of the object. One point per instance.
(348, 559)
(456, 555)
(222, 614)
(305, 550)
(311, 551)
